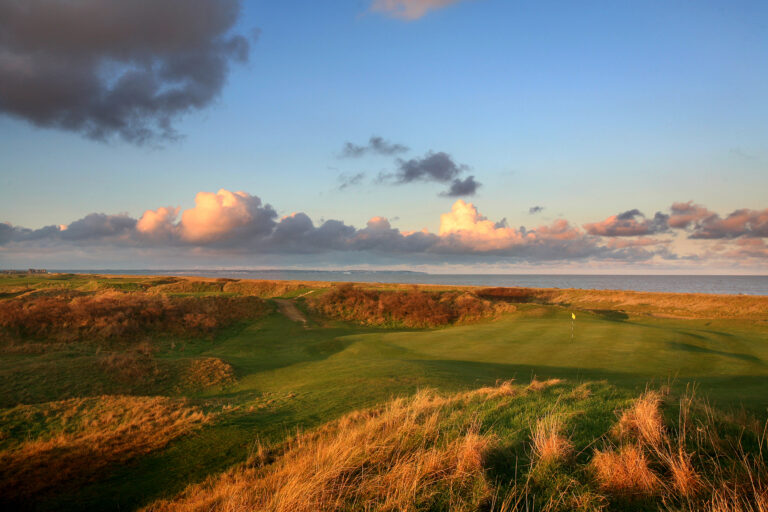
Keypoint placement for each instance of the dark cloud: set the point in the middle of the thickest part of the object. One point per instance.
(629, 223)
(98, 225)
(108, 68)
(376, 145)
(438, 167)
(435, 167)
(460, 188)
(535, 209)
(350, 180)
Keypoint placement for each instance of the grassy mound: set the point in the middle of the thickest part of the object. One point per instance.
(45, 445)
(547, 446)
(407, 308)
(66, 316)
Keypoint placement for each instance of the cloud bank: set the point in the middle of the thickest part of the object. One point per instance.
(115, 68)
(229, 223)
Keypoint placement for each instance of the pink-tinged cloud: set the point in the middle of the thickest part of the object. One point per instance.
(221, 215)
(744, 222)
(685, 214)
(465, 224)
(157, 223)
(748, 248)
(629, 223)
(464, 228)
(409, 10)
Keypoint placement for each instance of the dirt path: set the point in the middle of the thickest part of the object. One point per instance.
(289, 309)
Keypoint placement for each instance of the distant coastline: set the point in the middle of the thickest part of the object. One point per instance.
(727, 284)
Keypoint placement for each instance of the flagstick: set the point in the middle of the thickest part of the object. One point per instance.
(571, 329)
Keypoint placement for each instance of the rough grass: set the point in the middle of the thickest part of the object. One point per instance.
(46, 445)
(394, 458)
(207, 372)
(447, 452)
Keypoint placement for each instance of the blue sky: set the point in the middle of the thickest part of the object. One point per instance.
(588, 109)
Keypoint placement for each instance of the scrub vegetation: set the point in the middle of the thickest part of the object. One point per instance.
(171, 393)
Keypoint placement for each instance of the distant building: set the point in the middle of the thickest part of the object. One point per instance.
(37, 271)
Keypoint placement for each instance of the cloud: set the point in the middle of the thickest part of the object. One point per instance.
(705, 224)
(465, 187)
(438, 167)
(376, 145)
(225, 216)
(350, 180)
(238, 226)
(685, 214)
(748, 248)
(533, 210)
(434, 167)
(158, 223)
(744, 222)
(408, 10)
(115, 68)
(629, 223)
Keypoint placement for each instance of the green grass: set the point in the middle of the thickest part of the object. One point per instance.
(290, 377)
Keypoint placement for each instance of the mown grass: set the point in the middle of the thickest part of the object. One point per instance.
(268, 376)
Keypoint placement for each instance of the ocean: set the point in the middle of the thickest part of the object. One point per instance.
(747, 285)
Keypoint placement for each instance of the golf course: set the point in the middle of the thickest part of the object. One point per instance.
(280, 360)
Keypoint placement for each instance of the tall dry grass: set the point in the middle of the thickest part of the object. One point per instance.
(700, 464)
(73, 440)
(396, 458)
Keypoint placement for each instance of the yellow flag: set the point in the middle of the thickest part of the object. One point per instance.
(573, 316)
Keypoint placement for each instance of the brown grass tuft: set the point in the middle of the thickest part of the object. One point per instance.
(684, 478)
(549, 444)
(539, 385)
(624, 473)
(504, 388)
(643, 421)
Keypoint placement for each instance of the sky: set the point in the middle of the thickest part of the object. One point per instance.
(438, 135)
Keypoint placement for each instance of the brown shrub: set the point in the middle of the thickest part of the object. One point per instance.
(410, 308)
(82, 436)
(624, 472)
(64, 317)
(514, 294)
